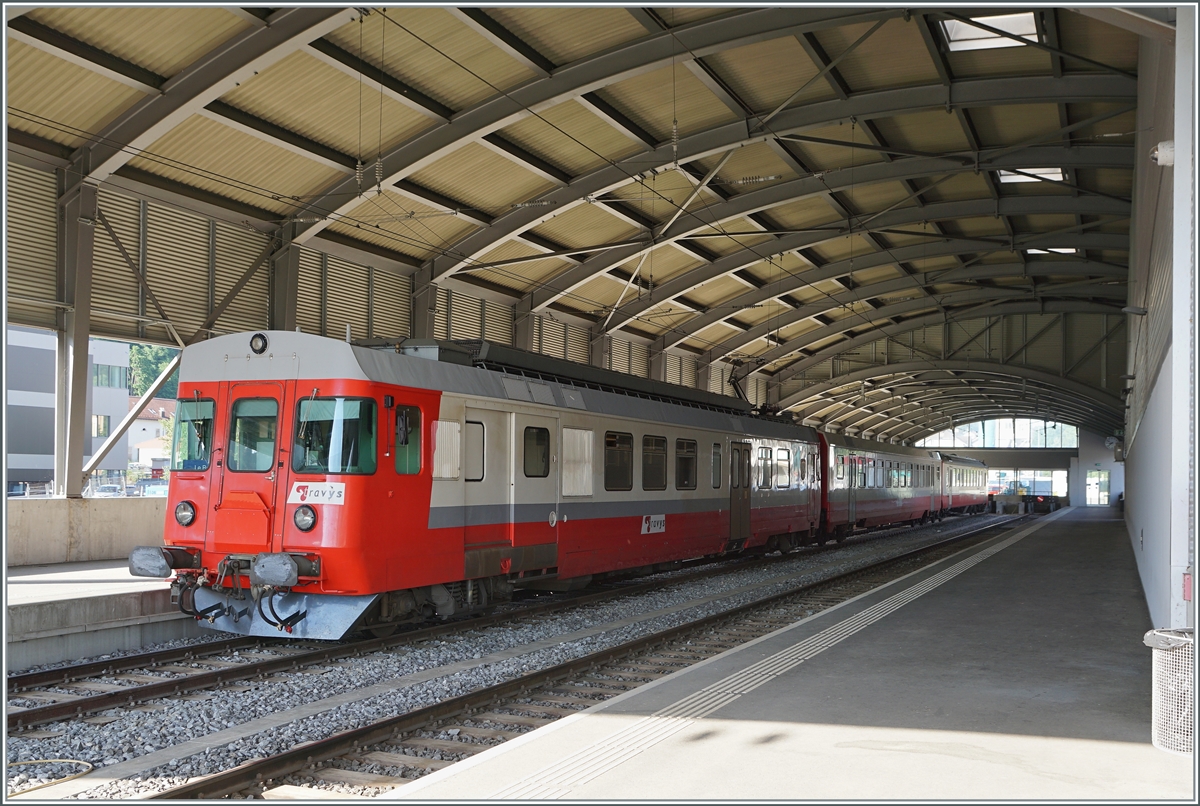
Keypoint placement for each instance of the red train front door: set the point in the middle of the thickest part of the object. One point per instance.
(252, 459)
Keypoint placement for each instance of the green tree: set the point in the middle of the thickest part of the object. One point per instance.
(146, 362)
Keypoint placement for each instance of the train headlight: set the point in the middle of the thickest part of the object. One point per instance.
(258, 343)
(185, 513)
(305, 518)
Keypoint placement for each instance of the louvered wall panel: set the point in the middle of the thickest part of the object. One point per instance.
(1158, 284)
(672, 369)
(619, 355)
(441, 317)
(348, 301)
(312, 293)
(578, 340)
(392, 301)
(639, 360)
(237, 249)
(31, 245)
(466, 317)
(554, 338)
(498, 322)
(176, 270)
(687, 372)
(115, 289)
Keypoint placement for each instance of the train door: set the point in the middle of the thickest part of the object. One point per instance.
(253, 456)
(487, 491)
(740, 480)
(535, 480)
(855, 464)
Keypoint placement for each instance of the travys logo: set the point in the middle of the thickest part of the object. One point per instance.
(652, 524)
(317, 492)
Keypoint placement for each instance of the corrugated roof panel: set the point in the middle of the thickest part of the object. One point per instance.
(163, 40)
(736, 243)
(766, 74)
(1096, 40)
(601, 294)
(878, 196)
(205, 154)
(844, 248)
(458, 176)
(1015, 123)
(587, 225)
(819, 156)
(1103, 131)
(995, 62)
(747, 169)
(811, 211)
(966, 185)
(56, 100)
(718, 291)
(403, 224)
(655, 99)
(1041, 223)
(447, 78)
(1115, 181)
(521, 276)
(564, 35)
(675, 17)
(893, 56)
(659, 196)
(310, 98)
(922, 131)
(663, 263)
(571, 137)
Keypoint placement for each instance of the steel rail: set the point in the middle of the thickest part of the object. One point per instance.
(255, 770)
(26, 718)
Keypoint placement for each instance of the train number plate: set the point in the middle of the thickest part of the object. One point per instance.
(317, 492)
(652, 524)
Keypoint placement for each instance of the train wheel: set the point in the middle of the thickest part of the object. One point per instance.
(382, 630)
(840, 534)
(785, 545)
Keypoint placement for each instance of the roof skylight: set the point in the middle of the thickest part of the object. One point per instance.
(1059, 250)
(1054, 174)
(964, 36)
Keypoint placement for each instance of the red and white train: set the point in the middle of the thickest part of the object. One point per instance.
(319, 487)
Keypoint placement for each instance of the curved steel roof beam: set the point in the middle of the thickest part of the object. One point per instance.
(206, 79)
(1116, 293)
(1005, 399)
(641, 56)
(985, 271)
(558, 286)
(864, 106)
(941, 211)
(848, 414)
(1004, 308)
(975, 366)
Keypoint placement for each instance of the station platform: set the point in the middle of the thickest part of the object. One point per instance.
(1011, 670)
(68, 611)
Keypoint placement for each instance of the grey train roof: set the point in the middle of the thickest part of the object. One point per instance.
(466, 368)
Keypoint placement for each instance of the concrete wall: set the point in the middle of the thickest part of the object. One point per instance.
(61, 530)
(1094, 456)
(1148, 509)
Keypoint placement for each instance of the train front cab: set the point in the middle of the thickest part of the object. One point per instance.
(279, 489)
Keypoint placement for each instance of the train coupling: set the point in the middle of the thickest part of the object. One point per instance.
(282, 570)
(160, 561)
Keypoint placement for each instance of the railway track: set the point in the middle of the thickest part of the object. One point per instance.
(392, 751)
(81, 690)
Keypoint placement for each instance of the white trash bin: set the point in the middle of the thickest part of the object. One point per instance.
(1172, 727)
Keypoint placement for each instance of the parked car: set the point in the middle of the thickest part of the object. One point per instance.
(132, 490)
(109, 491)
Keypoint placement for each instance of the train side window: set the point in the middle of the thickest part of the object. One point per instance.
(685, 464)
(408, 440)
(862, 472)
(252, 435)
(783, 468)
(766, 469)
(537, 453)
(474, 452)
(334, 435)
(746, 475)
(887, 474)
(803, 470)
(654, 463)
(841, 467)
(735, 468)
(716, 466)
(618, 461)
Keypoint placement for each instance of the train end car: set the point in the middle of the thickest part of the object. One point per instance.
(965, 489)
(871, 484)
